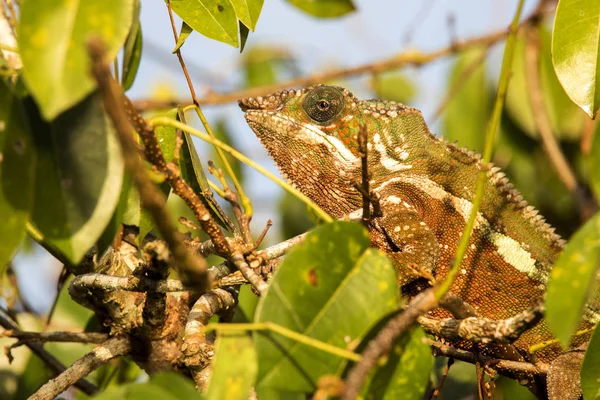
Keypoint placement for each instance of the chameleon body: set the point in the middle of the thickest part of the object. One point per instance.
(426, 187)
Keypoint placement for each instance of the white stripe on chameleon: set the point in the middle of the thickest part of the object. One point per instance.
(389, 163)
(312, 135)
(509, 249)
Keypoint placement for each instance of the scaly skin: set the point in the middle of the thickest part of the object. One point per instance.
(426, 187)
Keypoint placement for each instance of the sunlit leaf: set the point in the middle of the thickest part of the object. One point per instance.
(248, 11)
(184, 33)
(572, 279)
(132, 51)
(576, 52)
(222, 133)
(324, 8)
(17, 168)
(332, 288)
(406, 372)
(52, 37)
(234, 367)
(78, 177)
(214, 19)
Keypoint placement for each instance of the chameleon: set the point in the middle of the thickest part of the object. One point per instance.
(425, 187)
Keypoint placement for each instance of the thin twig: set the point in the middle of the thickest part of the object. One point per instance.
(384, 340)
(238, 187)
(55, 366)
(505, 367)
(81, 368)
(414, 58)
(191, 265)
(42, 337)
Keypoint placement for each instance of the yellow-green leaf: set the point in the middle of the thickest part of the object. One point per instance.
(332, 288)
(52, 36)
(572, 279)
(214, 19)
(184, 33)
(234, 367)
(324, 8)
(576, 51)
(248, 11)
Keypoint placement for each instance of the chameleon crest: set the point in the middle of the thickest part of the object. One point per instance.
(426, 188)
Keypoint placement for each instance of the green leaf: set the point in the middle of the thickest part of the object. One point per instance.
(132, 51)
(234, 367)
(590, 369)
(17, 168)
(566, 119)
(184, 33)
(576, 51)
(244, 32)
(406, 372)
(145, 391)
(52, 36)
(507, 389)
(193, 173)
(393, 86)
(176, 384)
(593, 162)
(332, 288)
(472, 95)
(248, 11)
(262, 64)
(572, 279)
(222, 133)
(324, 8)
(214, 19)
(78, 179)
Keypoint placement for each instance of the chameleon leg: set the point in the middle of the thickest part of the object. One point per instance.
(407, 240)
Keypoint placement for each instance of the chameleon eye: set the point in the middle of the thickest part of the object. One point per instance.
(323, 104)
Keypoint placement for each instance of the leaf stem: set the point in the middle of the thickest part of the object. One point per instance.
(269, 326)
(160, 120)
(539, 346)
(509, 51)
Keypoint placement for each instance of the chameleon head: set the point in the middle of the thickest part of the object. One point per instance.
(309, 133)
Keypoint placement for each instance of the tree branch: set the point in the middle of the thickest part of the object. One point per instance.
(81, 368)
(484, 330)
(55, 366)
(42, 337)
(192, 266)
(384, 340)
